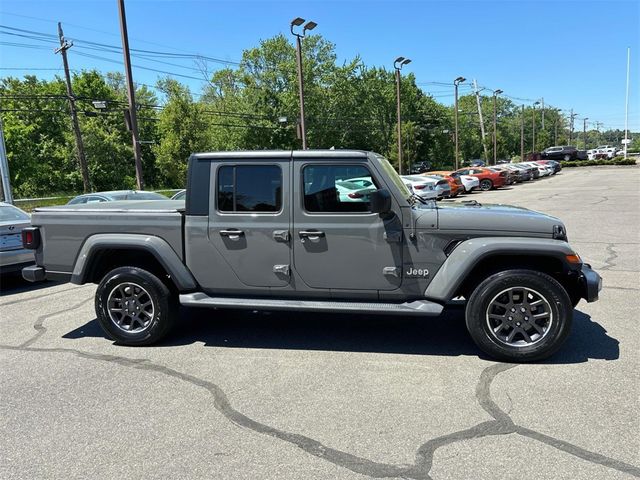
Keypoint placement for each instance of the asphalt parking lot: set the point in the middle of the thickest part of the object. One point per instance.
(238, 395)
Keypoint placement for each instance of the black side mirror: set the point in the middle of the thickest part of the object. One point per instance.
(380, 201)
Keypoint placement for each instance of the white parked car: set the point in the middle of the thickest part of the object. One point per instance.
(353, 191)
(543, 169)
(423, 186)
(469, 182)
(603, 151)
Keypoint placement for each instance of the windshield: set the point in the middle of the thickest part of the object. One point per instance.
(393, 175)
(9, 213)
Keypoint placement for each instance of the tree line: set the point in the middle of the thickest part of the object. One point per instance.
(253, 106)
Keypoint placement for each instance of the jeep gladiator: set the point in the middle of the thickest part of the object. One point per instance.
(316, 230)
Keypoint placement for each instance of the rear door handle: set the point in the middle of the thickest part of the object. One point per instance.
(313, 234)
(232, 233)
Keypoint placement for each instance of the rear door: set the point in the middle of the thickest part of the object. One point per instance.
(249, 219)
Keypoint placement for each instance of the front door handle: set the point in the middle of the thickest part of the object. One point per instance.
(311, 234)
(232, 233)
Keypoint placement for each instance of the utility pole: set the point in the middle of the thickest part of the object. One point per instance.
(584, 132)
(310, 25)
(5, 184)
(522, 135)
(397, 65)
(542, 100)
(555, 136)
(131, 93)
(482, 133)
(457, 82)
(573, 115)
(533, 124)
(64, 46)
(495, 127)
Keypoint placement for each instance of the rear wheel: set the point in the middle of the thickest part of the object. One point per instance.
(567, 157)
(519, 315)
(134, 307)
(486, 184)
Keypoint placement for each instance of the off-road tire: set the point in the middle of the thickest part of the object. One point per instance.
(164, 303)
(560, 306)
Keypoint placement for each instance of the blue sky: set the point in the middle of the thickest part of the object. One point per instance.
(572, 53)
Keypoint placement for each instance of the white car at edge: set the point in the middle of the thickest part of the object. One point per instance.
(422, 186)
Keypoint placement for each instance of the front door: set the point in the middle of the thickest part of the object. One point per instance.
(338, 243)
(249, 220)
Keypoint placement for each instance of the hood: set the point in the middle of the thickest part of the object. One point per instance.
(495, 218)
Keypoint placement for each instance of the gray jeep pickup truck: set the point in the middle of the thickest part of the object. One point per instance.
(317, 230)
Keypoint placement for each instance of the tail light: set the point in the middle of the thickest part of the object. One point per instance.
(419, 187)
(355, 195)
(31, 238)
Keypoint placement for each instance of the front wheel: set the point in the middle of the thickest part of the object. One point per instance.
(519, 315)
(134, 307)
(486, 185)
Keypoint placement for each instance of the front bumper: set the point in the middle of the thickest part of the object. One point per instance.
(591, 283)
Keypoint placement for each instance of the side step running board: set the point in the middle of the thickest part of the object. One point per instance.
(418, 307)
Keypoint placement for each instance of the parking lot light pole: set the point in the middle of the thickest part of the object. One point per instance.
(584, 132)
(296, 22)
(397, 65)
(457, 82)
(495, 126)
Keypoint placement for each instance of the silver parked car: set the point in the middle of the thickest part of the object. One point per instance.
(181, 195)
(115, 195)
(13, 257)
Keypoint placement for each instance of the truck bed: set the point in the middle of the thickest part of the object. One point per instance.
(66, 228)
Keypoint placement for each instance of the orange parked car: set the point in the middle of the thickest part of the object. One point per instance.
(454, 182)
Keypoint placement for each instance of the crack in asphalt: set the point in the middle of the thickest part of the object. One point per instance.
(39, 297)
(608, 262)
(502, 424)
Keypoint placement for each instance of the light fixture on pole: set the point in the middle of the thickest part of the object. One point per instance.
(397, 65)
(310, 25)
(457, 82)
(495, 126)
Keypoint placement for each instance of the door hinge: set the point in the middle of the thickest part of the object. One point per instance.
(391, 271)
(281, 235)
(282, 269)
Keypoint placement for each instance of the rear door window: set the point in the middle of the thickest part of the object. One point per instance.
(250, 188)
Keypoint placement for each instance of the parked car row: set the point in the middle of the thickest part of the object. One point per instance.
(604, 152)
(436, 185)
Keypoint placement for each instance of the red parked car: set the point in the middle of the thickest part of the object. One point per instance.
(488, 178)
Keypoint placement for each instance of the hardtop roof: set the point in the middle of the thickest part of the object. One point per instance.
(281, 154)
